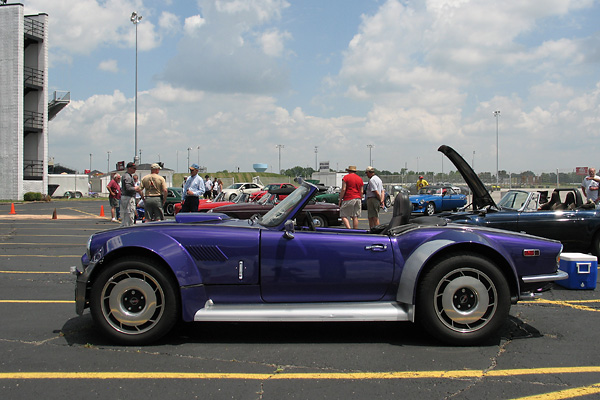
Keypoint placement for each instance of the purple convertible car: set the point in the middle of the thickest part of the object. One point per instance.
(457, 281)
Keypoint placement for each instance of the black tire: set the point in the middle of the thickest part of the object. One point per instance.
(388, 202)
(134, 302)
(430, 209)
(232, 196)
(595, 249)
(78, 195)
(170, 209)
(319, 221)
(463, 299)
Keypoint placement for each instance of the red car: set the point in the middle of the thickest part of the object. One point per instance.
(204, 205)
(271, 186)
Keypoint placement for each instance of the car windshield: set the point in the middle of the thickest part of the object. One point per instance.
(281, 211)
(235, 186)
(513, 200)
(220, 197)
(431, 191)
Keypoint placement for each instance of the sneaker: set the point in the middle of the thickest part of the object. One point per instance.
(114, 220)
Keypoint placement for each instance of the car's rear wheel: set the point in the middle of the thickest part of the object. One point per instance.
(388, 202)
(463, 299)
(134, 302)
(319, 221)
(170, 209)
(430, 209)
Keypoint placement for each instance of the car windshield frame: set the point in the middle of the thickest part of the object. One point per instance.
(520, 197)
(282, 211)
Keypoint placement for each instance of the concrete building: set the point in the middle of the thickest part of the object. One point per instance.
(24, 106)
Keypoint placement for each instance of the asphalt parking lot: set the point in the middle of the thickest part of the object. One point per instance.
(547, 349)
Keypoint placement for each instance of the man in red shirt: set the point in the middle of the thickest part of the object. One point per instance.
(351, 197)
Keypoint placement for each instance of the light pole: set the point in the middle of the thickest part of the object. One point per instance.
(198, 155)
(108, 161)
(370, 146)
(90, 162)
(316, 158)
(280, 146)
(497, 114)
(135, 18)
(189, 148)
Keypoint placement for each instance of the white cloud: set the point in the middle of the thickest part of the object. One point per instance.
(272, 42)
(109, 66)
(168, 22)
(193, 24)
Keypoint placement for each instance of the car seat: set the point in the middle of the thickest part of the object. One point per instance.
(554, 200)
(570, 201)
(402, 210)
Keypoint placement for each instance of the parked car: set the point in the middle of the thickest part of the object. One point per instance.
(205, 205)
(139, 281)
(258, 195)
(432, 199)
(334, 197)
(173, 197)
(233, 191)
(565, 217)
(323, 214)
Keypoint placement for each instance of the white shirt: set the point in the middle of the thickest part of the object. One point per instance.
(375, 184)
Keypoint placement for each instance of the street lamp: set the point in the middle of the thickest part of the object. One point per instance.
(370, 146)
(497, 114)
(90, 162)
(280, 146)
(198, 155)
(316, 159)
(135, 18)
(108, 161)
(189, 148)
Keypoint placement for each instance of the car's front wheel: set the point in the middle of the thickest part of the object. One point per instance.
(170, 209)
(430, 209)
(463, 299)
(388, 201)
(134, 302)
(319, 221)
(232, 197)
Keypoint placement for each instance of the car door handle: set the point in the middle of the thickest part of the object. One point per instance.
(376, 247)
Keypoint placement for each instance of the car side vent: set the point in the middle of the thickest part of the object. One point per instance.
(206, 253)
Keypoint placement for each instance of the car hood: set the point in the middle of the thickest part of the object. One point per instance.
(481, 197)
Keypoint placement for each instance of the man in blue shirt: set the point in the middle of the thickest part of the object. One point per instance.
(192, 190)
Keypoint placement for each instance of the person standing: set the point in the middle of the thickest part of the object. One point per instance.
(217, 188)
(114, 197)
(590, 185)
(155, 194)
(128, 190)
(350, 197)
(421, 183)
(208, 185)
(138, 195)
(193, 189)
(375, 197)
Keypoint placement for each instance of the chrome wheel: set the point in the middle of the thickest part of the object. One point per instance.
(465, 300)
(430, 209)
(132, 302)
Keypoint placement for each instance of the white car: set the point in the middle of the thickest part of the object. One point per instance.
(233, 191)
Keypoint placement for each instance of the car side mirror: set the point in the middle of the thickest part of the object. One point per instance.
(288, 229)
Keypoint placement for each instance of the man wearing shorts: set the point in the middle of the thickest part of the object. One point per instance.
(350, 197)
(375, 197)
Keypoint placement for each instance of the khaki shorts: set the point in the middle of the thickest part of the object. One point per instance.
(373, 206)
(350, 208)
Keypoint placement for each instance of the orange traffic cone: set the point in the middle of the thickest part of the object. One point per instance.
(102, 211)
(54, 214)
(12, 208)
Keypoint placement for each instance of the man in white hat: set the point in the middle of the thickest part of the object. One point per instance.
(351, 197)
(155, 189)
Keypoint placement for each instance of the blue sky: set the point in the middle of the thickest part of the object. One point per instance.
(238, 77)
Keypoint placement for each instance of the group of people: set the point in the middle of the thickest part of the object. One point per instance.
(351, 197)
(125, 192)
(590, 186)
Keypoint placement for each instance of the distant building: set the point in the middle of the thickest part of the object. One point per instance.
(24, 106)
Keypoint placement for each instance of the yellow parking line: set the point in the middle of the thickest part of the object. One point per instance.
(569, 303)
(297, 376)
(39, 301)
(34, 272)
(566, 394)
(37, 255)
